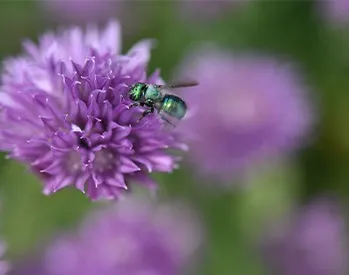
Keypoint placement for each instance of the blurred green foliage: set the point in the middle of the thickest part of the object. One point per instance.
(231, 216)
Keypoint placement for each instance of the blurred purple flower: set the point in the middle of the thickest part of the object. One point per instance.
(312, 243)
(208, 9)
(82, 11)
(65, 113)
(133, 15)
(244, 110)
(28, 266)
(4, 266)
(336, 11)
(137, 238)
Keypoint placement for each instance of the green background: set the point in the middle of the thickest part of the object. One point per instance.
(232, 218)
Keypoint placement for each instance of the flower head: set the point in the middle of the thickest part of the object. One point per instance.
(64, 112)
(244, 110)
(312, 243)
(137, 238)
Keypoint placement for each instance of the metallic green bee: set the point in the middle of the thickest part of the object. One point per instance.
(155, 97)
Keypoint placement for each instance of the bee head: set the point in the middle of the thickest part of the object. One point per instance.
(136, 91)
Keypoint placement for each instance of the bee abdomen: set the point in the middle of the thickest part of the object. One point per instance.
(174, 106)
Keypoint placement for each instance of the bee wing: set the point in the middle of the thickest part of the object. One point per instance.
(168, 119)
(189, 83)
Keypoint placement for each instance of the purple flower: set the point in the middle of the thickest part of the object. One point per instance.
(311, 243)
(336, 11)
(65, 113)
(137, 238)
(244, 110)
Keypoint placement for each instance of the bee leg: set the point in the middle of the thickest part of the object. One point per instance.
(134, 105)
(145, 113)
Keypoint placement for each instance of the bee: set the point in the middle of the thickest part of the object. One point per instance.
(156, 98)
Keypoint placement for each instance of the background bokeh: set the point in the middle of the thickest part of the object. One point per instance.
(233, 218)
